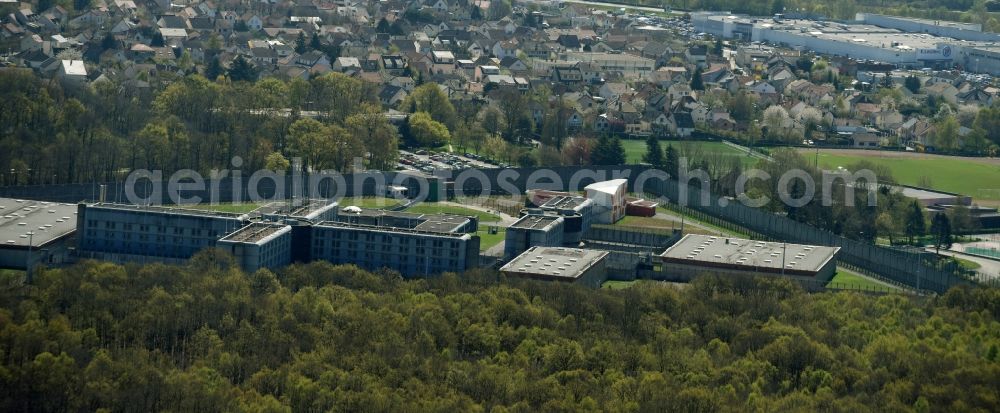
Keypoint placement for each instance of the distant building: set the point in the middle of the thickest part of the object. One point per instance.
(72, 70)
(570, 265)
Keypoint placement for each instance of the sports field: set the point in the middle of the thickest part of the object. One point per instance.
(976, 177)
(635, 149)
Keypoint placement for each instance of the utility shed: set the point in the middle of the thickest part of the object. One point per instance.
(260, 245)
(36, 231)
(697, 254)
(584, 267)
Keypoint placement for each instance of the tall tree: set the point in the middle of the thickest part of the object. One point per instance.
(242, 70)
(381, 140)
(941, 230)
(654, 154)
(427, 131)
(915, 222)
(696, 82)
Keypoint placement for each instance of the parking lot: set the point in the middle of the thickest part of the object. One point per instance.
(429, 161)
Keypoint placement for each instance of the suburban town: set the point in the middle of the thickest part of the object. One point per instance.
(499, 205)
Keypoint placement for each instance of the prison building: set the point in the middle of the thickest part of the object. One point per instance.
(576, 212)
(313, 210)
(609, 200)
(408, 220)
(413, 244)
(534, 229)
(570, 265)
(122, 233)
(696, 255)
(259, 245)
(34, 233)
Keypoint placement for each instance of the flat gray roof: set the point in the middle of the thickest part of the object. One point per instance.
(177, 210)
(554, 262)
(46, 221)
(564, 202)
(747, 254)
(306, 209)
(257, 233)
(535, 221)
(920, 193)
(390, 230)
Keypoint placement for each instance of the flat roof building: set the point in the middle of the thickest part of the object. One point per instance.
(578, 266)
(259, 245)
(122, 233)
(42, 227)
(698, 254)
(534, 229)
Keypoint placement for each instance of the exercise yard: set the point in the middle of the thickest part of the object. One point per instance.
(976, 177)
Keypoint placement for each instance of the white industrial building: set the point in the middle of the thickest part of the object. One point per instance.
(609, 200)
(903, 41)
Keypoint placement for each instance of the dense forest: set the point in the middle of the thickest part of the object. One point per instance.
(317, 337)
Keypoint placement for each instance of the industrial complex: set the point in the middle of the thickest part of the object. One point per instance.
(905, 42)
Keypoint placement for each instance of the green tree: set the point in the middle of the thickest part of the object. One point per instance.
(277, 162)
(242, 70)
(426, 131)
(430, 99)
(300, 43)
(654, 154)
(941, 230)
(381, 139)
(696, 81)
(915, 222)
(671, 161)
(912, 83)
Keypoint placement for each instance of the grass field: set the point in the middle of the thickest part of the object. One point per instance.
(847, 280)
(617, 285)
(487, 240)
(979, 178)
(635, 149)
(232, 208)
(433, 208)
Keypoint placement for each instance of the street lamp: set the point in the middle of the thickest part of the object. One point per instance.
(27, 265)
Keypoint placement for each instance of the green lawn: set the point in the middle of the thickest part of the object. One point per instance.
(636, 148)
(434, 208)
(241, 208)
(487, 240)
(849, 280)
(978, 178)
(617, 285)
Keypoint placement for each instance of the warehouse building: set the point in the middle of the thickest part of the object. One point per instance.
(534, 229)
(35, 233)
(570, 265)
(902, 41)
(943, 28)
(696, 254)
(259, 245)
